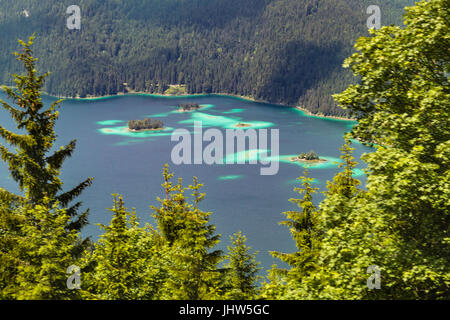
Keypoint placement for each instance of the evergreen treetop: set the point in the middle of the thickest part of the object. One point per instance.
(31, 166)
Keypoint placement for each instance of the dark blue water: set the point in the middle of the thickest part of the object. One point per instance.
(131, 164)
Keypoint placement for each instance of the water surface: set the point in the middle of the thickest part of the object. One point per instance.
(239, 197)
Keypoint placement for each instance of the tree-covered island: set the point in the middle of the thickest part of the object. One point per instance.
(186, 107)
(146, 124)
(310, 156)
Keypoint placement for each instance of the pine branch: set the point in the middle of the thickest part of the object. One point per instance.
(56, 160)
(68, 196)
(16, 114)
(12, 94)
(72, 211)
(23, 141)
(12, 159)
(9, 197)
(81, 220)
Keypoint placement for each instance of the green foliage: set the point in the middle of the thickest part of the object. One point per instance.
(127, 261)
(36, 172)
(304, 231)
(339, 233)
(10, 234)
(309, 156)
(171, 213)
(402, 223)
(343, 183)
(242, 270)
(38, 233)
(274, 286)
(147, 123)
(45, 250)
(186, 230)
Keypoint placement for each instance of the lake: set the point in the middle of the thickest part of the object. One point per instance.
(240, 198)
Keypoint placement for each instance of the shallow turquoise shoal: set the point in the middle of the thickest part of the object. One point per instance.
(225, 122)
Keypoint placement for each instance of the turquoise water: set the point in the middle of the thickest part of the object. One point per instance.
(130, 163)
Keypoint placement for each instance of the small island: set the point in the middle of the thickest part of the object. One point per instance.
(186, 107)
(242, 125)
(308, 157)
(146, 124)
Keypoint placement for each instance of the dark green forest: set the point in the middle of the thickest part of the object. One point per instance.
(281, 51)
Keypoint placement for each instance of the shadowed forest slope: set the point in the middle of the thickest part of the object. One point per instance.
(282, 51)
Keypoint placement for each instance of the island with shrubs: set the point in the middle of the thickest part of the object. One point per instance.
(308, 157)
(146, 124)
(186, 107)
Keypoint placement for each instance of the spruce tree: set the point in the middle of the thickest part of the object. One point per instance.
(170, 216)
(401, 224)
(338, 239)
(343, 183)
(38, 233)
(303, 228)
(194, 272)
(274, 286)
(124, 263)
(46, 250)
(242, 270)
(31, 166)
(10, 234)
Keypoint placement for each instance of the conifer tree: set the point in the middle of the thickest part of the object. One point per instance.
(123, 259)
(46, 250)
(10, 233)
(170, 216)
(242, 270)
(343, 183)
(35, 171)
(194, 272)
(39, 234)
(274, 286)
(303, 228)
(338, 239)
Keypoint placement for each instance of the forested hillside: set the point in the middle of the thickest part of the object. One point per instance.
(282, 51)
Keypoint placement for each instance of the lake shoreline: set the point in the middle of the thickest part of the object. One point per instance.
(162, 95)
(319, 115)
